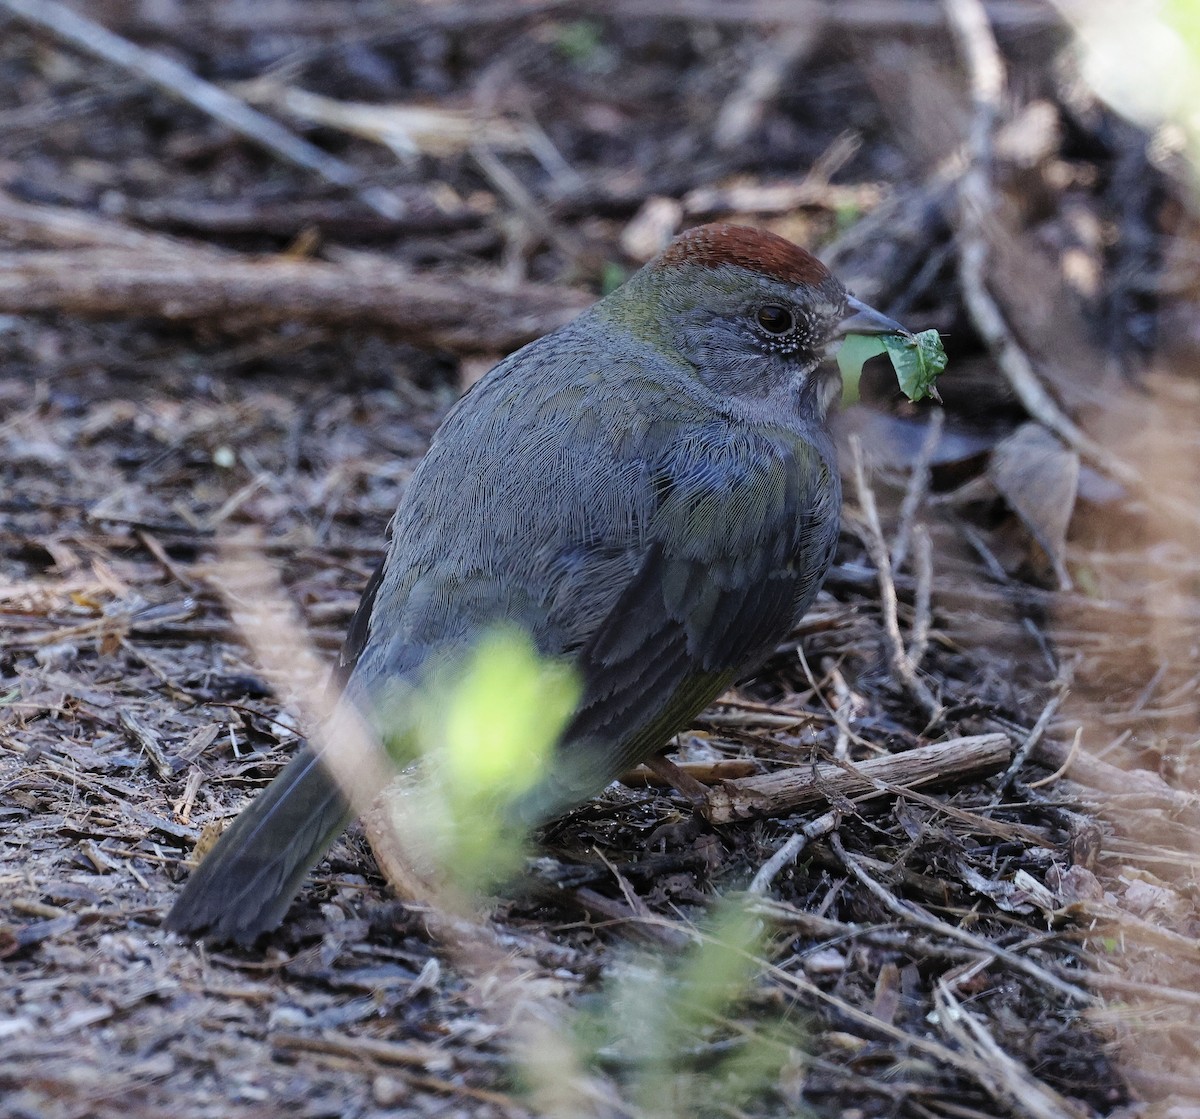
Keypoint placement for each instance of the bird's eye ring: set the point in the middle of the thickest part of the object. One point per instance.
(775, 319)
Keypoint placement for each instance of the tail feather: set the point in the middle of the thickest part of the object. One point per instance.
(245, 885)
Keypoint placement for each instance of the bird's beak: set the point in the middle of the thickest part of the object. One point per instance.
(861, 319)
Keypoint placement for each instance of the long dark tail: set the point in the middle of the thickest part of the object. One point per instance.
(243, 887)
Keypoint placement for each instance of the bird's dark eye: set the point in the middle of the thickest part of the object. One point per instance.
(775, 319)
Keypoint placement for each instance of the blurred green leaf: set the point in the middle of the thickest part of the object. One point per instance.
(664, 1026)
(504, 715)
(481, 733)
(612, 276)
(846, 214)
(581, 43)
(720, 968)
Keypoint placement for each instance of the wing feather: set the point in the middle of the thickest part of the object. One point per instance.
(740, 541)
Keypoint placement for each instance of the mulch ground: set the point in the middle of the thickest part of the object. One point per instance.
(1002, 945)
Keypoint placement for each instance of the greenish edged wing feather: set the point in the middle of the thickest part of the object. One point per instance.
(742, 539)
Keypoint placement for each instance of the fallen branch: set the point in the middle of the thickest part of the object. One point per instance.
(1099, 776)
(426, 211)
(465, 316)
(776, 793)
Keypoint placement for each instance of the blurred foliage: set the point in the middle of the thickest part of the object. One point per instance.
(663, 1024)
(483, 731)
(612, 277)
(1143, 58)
(482, 734)
(581, 42)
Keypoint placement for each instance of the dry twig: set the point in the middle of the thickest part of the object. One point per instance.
(873, 538)
(69, 228)
(775, 793)
(913, 913)
(88, 36)
(1009, 1082)
(1029, 743)
(918, 640)
(790, 851)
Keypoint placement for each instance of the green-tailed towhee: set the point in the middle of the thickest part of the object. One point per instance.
(650, 492)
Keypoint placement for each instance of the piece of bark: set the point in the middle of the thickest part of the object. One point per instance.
(775, 793)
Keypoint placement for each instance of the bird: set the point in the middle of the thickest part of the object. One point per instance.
(650, 492)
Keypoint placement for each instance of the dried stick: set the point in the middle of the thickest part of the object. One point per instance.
(1008, 1081)
(1029, 744)
(773, 794)
(92, 38)
(918, 640)
(876, 546)
(781, 197)
(914, 914)
(791, 850)
(465, 316)
(703, 773)
(68, 228)
(918, 486)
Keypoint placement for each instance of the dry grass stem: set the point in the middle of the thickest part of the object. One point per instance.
(876, 545)
(1029, 743)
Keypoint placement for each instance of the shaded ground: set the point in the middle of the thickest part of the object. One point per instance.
(132, 715)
